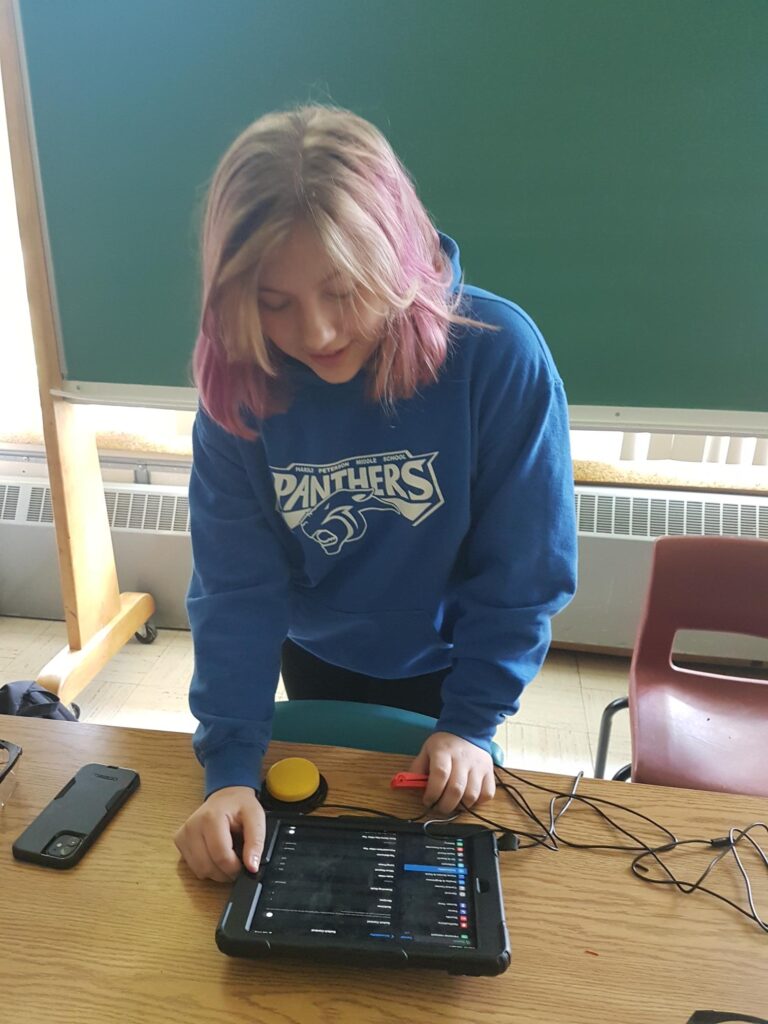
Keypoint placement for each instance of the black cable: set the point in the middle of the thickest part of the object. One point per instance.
(591, 801)
(744, 834)
(729, 843)
(386, 814)
(365, 810)
(502, 829)
(550, 839)
(519, 800)
(686, 887)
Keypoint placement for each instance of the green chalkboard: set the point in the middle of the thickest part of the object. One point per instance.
(602, 162)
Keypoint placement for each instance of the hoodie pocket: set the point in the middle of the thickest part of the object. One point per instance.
(384, 644)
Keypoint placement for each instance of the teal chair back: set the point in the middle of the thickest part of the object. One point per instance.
(343, 723)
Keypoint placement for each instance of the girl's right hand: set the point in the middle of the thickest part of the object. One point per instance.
(206, 839)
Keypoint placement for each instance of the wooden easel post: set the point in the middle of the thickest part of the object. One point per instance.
(99, 618)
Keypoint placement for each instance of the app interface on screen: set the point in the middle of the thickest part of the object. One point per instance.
(370, 885)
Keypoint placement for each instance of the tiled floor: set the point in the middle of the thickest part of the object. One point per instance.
(146, 687)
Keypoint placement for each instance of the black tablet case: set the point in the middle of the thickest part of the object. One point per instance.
(490, 956)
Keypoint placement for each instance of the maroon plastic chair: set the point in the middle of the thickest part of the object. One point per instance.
(698, 730)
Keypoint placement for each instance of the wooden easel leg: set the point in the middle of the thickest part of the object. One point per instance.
(70, 671)
(99, 619)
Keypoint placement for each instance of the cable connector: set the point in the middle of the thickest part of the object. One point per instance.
(720, 841)
(509, 841)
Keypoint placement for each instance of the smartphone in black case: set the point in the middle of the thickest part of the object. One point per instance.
(64, 830)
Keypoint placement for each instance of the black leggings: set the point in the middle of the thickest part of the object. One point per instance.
(308, 678)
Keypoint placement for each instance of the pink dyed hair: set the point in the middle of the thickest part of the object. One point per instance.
(337, 171)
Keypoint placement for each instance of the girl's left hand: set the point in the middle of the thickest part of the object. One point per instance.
(459, 772)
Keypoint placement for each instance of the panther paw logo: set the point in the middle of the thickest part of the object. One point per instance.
(340, 519)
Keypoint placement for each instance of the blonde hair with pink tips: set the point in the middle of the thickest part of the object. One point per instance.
(335, 170)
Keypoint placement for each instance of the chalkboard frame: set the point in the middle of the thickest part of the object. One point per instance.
(659, 418)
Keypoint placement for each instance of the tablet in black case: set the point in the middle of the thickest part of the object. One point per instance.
(372, 891)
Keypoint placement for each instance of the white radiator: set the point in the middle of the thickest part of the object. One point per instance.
(150, 532)
(150, 536)
(617, 527)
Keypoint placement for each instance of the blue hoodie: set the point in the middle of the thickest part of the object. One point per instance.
(392, 543)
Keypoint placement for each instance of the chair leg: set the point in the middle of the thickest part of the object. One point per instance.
(604, 736)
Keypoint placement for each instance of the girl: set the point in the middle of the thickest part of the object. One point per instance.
(381, 495)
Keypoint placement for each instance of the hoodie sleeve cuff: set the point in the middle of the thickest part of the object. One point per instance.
(481, 737)
(233, 765)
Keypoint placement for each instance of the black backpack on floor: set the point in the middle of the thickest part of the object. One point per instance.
(34, 701)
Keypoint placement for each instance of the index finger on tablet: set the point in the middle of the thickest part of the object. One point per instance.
(254, 832)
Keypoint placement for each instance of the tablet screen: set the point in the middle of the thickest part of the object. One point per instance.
(365, 886)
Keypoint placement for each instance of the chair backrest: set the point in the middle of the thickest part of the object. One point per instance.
(341, 723)
(718, 584)
(700, 729)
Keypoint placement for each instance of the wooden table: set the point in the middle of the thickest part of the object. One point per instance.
(128, 934)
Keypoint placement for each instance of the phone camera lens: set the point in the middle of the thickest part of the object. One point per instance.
(63, 846)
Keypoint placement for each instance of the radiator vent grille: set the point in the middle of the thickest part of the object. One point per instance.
(126, 510)
(634, 515)
(599, 511)
(142, 510)
(9, 501)
(39, 509)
